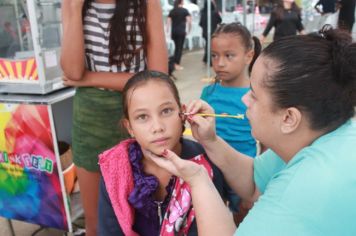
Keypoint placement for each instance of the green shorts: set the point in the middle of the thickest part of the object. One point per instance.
(96, 125)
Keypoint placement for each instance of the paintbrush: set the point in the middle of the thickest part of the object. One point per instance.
(238, 116)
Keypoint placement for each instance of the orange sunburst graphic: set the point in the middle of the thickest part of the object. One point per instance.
(18, 70)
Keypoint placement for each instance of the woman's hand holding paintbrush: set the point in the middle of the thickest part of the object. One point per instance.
(203, 127)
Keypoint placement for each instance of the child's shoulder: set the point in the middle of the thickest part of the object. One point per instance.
(116, 151)
(209, 86)
(208, 89)
(218, 88)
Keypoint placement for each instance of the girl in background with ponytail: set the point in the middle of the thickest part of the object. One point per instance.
(233, 52)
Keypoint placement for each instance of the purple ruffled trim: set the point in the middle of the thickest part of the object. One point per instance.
(141, 198)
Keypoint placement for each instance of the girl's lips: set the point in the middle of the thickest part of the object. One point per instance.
(222, 74)
(160, 140)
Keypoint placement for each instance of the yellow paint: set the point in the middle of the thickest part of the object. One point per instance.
(188, 132)
(208, 80)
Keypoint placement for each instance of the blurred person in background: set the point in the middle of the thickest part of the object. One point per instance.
(325, 8)
(215, 20)
(346, 15)
(178, 20)
(286, 20)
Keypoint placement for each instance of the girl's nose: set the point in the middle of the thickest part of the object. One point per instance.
(157, 125)
(221, 61)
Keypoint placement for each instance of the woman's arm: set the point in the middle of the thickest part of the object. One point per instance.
(213, 217)
(157, 55)
(236, 167)
(72, 51)
(270, 24)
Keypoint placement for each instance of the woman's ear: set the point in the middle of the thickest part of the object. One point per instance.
(292, 118)
(127, 126)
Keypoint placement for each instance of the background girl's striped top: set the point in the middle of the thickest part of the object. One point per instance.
(96, 36)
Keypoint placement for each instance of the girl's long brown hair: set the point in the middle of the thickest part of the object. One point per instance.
(121, 40)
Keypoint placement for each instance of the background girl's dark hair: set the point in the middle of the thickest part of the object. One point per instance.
(315, 73)
(123, 44)
(248, 41)
(279, 10)
(142, 78)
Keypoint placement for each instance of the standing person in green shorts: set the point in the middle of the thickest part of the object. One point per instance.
(104, 43)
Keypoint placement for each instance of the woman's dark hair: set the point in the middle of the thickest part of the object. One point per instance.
(315, 73)
(122, 43)
(279, 10)
(142, 78)
(249, 42)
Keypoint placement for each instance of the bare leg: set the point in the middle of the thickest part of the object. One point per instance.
(89, 191)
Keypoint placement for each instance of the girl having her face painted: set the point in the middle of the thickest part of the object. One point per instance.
(138, 197)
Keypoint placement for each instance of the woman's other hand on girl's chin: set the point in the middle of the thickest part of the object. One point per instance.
(189, 171)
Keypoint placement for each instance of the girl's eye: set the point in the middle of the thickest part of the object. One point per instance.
(141, 117)
(230, 56)
(167, 111)
(213, 56)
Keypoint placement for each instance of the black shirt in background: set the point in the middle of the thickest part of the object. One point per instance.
(289, 24)
(179, 20)
(347, 10)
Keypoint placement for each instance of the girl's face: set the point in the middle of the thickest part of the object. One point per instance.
(230, 58)
(261, 112)
(154, 118)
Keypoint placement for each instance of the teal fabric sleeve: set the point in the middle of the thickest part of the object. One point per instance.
(265, 166)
